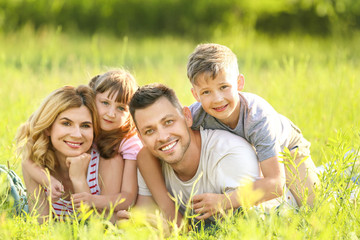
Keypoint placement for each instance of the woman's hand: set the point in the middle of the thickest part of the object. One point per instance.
(78, 171)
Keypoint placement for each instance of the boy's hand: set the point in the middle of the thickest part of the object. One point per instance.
(84, 197)
(57, 189)
(208, 204)
(78, 166)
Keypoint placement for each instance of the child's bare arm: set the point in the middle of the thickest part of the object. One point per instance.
(118, 185)
(150, 169)
(273, 181)
(40, 176)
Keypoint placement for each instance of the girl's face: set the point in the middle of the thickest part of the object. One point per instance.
(112, 114)
(72, 132)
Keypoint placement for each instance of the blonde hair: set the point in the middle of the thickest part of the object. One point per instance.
(32, 140)
(122, 84)
(211, 58)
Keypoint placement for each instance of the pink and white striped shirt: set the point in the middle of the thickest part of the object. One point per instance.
(64, 207)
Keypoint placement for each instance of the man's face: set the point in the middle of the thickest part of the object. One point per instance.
(164, 130)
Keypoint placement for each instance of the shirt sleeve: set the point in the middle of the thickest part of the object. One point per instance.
(238, 167)
(130, 147)
(143, 189)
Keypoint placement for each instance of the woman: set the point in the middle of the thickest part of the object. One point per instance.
(58, 136)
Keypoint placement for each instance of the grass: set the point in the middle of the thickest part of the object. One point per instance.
(313, 81)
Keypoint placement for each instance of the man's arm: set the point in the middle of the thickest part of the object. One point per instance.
(150, 169)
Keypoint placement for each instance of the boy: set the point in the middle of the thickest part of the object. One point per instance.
(213, 72)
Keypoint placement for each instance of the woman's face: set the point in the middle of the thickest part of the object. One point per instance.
(112, 114)
(72, 132)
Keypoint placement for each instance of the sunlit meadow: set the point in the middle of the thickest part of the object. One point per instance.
(313, 81)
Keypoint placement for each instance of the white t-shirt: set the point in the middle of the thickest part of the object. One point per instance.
(225, 161)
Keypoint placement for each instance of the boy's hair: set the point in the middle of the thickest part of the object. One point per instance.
(122, 84)
(32, 139)
(149, 94)
(211, 58)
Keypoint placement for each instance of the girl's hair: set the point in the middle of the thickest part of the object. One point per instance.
(32, 140)
(122, 84)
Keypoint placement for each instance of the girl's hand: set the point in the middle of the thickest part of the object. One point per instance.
(78, 166)
(56, 188)
(84, 197)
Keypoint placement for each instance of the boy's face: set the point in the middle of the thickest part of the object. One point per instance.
(219, 96)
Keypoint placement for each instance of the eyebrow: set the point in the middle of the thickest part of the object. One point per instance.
(65, 118)
(161, 120)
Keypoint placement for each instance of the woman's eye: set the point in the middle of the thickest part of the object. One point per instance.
(86, 126)
(66, 123)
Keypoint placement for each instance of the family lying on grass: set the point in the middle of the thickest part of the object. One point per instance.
(80, 146)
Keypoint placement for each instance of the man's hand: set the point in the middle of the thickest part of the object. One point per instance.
(208, 204)
(84, 197)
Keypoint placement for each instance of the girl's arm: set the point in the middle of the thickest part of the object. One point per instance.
(37, 199)
(150, 169)
(118, 185)
(40, 176)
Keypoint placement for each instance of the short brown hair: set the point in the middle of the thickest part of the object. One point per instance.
(210, 58)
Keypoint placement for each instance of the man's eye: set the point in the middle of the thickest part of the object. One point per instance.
(168, 122)
(149, 132)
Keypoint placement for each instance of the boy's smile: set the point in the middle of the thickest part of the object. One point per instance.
(219, 96)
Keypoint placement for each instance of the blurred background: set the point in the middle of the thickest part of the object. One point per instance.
(191, 18)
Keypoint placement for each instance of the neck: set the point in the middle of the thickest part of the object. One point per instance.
(186, 169)
(61, 168)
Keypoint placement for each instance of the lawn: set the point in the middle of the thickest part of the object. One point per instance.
(313, 81)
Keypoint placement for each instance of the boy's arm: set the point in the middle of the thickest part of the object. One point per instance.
(39, 175)
(150, 169)
(271, 186)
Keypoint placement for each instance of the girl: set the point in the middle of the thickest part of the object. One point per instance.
(117, 143)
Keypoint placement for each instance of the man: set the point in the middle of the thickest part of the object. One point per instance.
(204, 168)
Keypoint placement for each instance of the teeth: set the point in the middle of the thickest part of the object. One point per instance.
(168, 146)
(73, 144)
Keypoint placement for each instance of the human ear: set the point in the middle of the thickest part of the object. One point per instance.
(241, 82)
(188, 117)
(195, 94)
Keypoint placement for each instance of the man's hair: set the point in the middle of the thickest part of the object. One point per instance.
(149, 94)
(211, 58)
